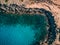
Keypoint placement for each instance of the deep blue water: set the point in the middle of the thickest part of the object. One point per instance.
(21, 30)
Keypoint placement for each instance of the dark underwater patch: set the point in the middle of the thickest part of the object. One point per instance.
(24, 29)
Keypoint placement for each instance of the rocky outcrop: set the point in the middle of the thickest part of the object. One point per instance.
(52, 5)
(13, 8)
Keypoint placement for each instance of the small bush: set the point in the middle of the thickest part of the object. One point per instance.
(6, 0)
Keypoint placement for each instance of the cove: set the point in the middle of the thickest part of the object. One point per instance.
(16, 35)
(24, 29)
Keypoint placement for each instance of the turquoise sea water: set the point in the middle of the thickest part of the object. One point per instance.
(24, 29)
(16, 35)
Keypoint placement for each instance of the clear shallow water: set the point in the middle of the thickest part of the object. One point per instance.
(16, 35)
(21, 30)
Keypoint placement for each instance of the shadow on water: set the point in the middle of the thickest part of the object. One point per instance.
(24, 29)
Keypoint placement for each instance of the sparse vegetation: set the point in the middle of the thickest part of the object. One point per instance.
(6, 0)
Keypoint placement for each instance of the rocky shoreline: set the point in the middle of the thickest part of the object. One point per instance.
(13, 8)
(52, 28)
